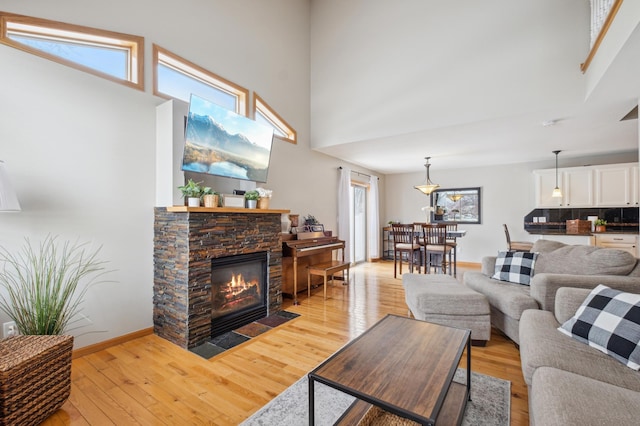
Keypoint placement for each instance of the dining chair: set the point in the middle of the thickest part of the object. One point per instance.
(452, 241)
(436, 247)
(404, 243)
(516, 245)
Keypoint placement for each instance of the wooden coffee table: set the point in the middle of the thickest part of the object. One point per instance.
(404, 366)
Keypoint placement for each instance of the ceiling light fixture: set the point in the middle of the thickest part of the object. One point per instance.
(556, 191)
(428, 187)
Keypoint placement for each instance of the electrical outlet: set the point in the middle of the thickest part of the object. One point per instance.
(9, 329)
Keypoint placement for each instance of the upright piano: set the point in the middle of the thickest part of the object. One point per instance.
(298, 254)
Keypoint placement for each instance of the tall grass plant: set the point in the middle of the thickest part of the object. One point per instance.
(45, 285)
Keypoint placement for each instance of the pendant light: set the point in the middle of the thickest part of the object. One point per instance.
(428, 187)
(557, 193)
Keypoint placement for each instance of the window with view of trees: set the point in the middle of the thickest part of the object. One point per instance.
(460, 205)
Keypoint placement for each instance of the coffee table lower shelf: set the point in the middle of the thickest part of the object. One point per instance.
(451, 414)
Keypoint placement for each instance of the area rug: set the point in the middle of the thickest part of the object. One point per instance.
(489, 405)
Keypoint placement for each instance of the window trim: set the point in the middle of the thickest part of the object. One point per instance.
(274, 119)
(167, 58)
(78, 34)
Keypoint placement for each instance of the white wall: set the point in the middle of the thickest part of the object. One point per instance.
(81, 150)
(507, 196)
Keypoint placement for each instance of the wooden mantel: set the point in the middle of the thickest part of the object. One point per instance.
(185, 209)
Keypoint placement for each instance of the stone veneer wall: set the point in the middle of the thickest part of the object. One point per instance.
(184, 244)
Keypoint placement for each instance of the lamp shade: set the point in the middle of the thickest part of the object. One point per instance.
(427, 187)
(8, 199)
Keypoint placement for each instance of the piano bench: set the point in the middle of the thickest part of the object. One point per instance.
(325, 270)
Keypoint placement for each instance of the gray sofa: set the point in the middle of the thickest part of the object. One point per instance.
(569, 382)
(558, 265)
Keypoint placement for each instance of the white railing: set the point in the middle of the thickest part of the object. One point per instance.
(602, 14)
(599, 11)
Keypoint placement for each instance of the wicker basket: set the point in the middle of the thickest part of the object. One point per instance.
(263, 203)
(577, 226)
(35, 377)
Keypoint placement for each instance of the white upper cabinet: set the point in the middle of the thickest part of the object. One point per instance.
(545, 182)
(578, 187)
(635, 186)
(612, 185)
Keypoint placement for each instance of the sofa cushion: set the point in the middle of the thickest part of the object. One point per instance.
(541, 344)
(585, 260)
(609, 320)
(562, 398)
(546, 246)
(515, 267)
(510, 299)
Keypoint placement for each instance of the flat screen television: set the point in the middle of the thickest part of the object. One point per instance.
(222, 143)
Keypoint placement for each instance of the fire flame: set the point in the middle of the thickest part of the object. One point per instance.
(238, 282)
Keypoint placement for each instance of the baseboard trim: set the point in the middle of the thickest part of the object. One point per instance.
(78, 353)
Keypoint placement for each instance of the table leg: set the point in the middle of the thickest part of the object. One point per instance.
(311, 402)
(469, 367)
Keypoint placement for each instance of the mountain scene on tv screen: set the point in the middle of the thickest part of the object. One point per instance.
(209, 148)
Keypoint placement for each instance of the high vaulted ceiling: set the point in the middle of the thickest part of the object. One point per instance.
(465, 82)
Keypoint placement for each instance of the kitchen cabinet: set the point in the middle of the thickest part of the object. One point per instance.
(576, 185)
(577, 188)
(545, 182)
(635, 186)
(613, 186)
(626, 242)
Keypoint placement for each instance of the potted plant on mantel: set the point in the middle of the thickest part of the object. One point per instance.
(210, 197)
(252, 198)
(601, 225)
(265, 196)
(191, 192)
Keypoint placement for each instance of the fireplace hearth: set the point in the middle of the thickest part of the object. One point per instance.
(239, 290)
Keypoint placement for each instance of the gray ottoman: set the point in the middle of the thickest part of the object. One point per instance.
(441, 299)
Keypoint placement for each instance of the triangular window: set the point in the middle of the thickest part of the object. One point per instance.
(264, 114)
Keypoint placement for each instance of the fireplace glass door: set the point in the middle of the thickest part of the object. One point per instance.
(239, 286)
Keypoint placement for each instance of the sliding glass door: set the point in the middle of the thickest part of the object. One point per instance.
(358, 216)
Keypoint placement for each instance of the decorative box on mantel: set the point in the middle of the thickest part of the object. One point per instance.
(186, 239)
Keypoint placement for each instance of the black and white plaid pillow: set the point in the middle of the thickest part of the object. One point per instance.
(609, 320)
(515, 267)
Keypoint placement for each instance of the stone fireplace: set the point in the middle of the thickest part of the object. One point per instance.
(190, 245)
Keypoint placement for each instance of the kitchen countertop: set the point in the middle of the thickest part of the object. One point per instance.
(563, 232)
(559, 228)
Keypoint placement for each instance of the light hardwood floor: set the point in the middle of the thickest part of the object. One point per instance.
(151, 381)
